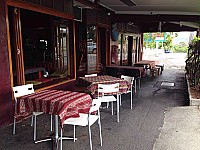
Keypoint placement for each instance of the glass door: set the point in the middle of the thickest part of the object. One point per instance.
(91, 49)
(62, 46)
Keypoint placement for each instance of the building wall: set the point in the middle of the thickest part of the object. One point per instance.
(6, 107)
(6, 102)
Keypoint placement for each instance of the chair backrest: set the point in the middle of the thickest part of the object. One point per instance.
(91, 75)
(23, 90)
(128, 78)
(96, 103)
(108, 88)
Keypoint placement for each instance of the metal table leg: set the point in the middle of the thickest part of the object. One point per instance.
(56, 136)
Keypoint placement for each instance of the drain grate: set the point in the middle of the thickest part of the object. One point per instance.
(167, 84)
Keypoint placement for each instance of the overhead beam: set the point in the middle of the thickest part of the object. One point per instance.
(188, 24)
(157, 18)
(95, 5)
(128, 2)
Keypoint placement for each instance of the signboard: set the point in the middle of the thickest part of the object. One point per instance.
(160, 37)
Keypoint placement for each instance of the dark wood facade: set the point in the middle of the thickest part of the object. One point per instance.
(18, 16)
(6, 108)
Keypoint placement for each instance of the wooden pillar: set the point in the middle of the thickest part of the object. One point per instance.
(6, 107)
(141, 46)
(136, 50)
(18, 46)
(130, 50)
(121, 52)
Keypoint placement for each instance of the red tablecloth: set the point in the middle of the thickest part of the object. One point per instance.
(65, 104)
(139, 71)
(92, 83)
(151, 63)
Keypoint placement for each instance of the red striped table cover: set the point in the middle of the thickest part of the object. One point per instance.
(92, 83)
(151, 63)
(141, 70)
(65, 104)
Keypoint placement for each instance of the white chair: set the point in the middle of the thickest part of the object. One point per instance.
(106, 93)
(131, 81)
(85, 120)
(91, 75)
(21, 91)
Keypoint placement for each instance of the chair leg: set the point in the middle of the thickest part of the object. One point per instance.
(61, 134)
(120, 99)
(32, 120)
(51, 123)
(131, 98)
(100, 135)
(112, 107)
(74, 133)
(107, 105)
(135, 86)
(34, 128)
(90, 138)
(14, 125)
(117, 108)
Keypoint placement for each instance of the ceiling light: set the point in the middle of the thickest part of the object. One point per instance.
(128, 2)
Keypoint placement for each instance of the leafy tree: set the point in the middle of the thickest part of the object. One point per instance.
(168, 41)
(167, 44)
(149, 40)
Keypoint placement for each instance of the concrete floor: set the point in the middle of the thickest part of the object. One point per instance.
(180, 129)
(138, 128)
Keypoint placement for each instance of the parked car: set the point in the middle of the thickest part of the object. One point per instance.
(167, 51)
(91, 47)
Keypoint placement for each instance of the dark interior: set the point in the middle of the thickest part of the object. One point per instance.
(38, 52)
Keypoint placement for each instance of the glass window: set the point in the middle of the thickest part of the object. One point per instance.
(91, 49)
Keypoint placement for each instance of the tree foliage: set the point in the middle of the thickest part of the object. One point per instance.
(149, 40)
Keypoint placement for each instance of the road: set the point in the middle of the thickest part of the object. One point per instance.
(170, 60)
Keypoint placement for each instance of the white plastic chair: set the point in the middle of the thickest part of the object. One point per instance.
(91, 75)
(106, 93)
(85, 120)
(131, 81)
(21, 91)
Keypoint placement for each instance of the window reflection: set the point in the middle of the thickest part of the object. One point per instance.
(91, 49)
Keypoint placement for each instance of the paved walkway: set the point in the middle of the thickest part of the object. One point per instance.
(138, 128)
(181, 129)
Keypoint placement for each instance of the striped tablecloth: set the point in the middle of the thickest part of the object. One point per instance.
(65, 104)
(134, 70)
(92, 83)
(151, 63)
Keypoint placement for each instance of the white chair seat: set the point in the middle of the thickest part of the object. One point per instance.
(22, 90)
(104, 90)
(82, 120)
(37, 113)
(130, 80)
(129, 91)
(91, 75)
(109, 98)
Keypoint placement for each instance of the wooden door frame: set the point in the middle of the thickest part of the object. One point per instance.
(18, 48)
(22, 5)
(108, 49)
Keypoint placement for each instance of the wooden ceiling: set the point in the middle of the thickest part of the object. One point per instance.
(154, 15)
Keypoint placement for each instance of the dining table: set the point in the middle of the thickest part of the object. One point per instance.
(135, 71)
(92, 83)
(62, 104)
(146, 63)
